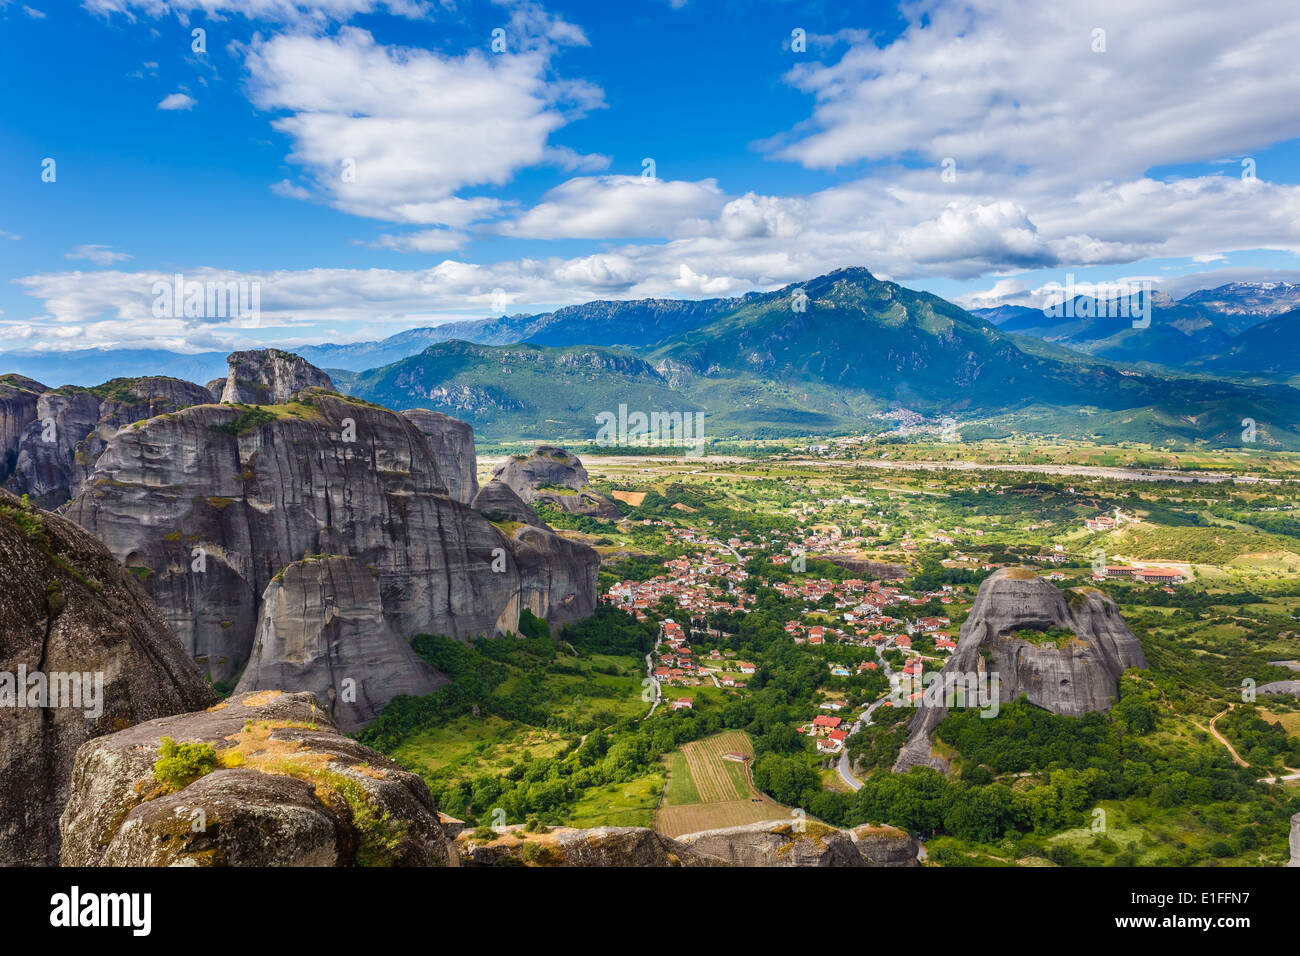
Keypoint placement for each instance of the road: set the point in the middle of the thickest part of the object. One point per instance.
(864, 720)
(650, 672)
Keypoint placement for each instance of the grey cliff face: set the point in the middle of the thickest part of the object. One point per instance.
(552, 477)
(288, 790)
(211, 502)
(322, 629)
(1295, 841)
(67, 608)
(270, 377)
(557, 576)
(59, 448)
(1079, 678)
(18, 398)
(452, 442)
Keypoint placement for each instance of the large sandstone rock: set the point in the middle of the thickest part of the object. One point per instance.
(211, 502)
(886, 845)
(67, 607)
(452, 442)
(1291, 687)
(322, 629)
(18, 398)
(557, 575)
(774, 844)
(551, 476)
(288, 790)
(771, 843)
(59, 448)
(561, 846)
(270, 377)
(498, 502)
(1079, 678)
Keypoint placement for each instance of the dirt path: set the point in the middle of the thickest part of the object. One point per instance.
(1224, 740)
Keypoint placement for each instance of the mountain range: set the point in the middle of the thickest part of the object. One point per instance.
(841, 353)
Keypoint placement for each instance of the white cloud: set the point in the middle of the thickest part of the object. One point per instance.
(1003, 85)
(428, 240)
(395, 133)
(177, 101)
(34, 13)
(618, 207)
(283, 11)
(98, 254)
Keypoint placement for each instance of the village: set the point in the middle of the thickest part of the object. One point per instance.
(860, 612)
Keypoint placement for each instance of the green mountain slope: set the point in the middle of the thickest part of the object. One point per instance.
(519, 391)
(859, 347)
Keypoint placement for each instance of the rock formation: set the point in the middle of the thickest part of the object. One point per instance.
(551, 567)
(211, 502)
(552, 477)
(69, 609)
(216, 387)
(1291, 687)
(285, 789)
(1295, 841)
(497, 501)
(880, 570)
(1072, 677)
(814, 844)
(18, 398)
(322, 629)
(59, 447)
(562, 846)
(452, 442)
(270, 377)
(770, 843)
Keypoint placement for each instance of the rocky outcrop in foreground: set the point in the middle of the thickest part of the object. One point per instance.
(69, 609)
(270, 377)
(452, 442)
(812, 844)
(322, 629)
(1071, 677)
(71, 427)
(283, 788)
(771, 843)
(552, 477)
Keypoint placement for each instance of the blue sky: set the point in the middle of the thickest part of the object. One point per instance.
(490, 182)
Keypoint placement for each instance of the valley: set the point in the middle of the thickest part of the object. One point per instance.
(701, 571)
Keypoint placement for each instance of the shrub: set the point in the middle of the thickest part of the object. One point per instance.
(179, 765)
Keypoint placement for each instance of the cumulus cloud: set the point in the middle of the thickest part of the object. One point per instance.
(177, 101)
(618, 207)
(1018, 84)
(394, 133)
(428, 240)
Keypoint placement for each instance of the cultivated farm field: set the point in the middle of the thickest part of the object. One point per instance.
(705, 791)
